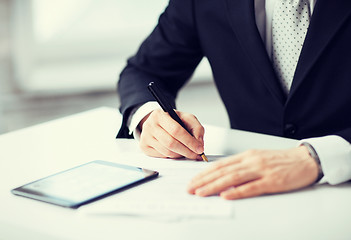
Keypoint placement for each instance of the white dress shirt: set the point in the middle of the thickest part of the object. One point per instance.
(334, 151)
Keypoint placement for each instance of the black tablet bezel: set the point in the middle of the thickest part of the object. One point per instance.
(41, 196)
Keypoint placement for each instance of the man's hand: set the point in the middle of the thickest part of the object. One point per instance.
(161, 136)
(257, 172)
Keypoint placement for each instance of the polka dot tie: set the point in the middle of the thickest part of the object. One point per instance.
(289, 27)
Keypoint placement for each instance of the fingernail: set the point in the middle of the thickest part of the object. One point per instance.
(199, 158)
(190, 190)
(199, 192)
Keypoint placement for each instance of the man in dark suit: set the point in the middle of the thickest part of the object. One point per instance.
(282, 67)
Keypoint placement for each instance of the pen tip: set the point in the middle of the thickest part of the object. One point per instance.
(204, 157)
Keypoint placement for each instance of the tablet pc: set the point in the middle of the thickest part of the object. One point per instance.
(85, 183)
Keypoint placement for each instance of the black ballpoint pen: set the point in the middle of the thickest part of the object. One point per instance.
(167, 107)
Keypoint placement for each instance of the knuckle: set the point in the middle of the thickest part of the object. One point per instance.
(153, 116)
(183, 114)
(219, 181)
(217, 166)
(235, 176)
(258, 160)
(175, 130)
(199, 130)
(146, 126)
(170, 143)
(156, 115)
(157, 112)
(279, 180)
(149, 124)
(252, 152)
(239, 193)
(202, 129)
(191, 118)
(190, 143)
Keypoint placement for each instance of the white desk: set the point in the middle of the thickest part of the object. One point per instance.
(320, 212)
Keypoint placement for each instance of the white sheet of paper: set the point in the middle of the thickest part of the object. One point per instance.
(165, 196)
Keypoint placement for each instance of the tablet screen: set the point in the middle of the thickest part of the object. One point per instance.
(85, 183)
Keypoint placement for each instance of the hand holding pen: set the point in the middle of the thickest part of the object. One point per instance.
(166, 136)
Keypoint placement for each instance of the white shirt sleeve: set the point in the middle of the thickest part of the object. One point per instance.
(137, 114)
(334, 153)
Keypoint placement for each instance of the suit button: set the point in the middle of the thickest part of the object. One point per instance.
(290, 129)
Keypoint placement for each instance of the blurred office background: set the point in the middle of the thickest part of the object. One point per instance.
(60, 57)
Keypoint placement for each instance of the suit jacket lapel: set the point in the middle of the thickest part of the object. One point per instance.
(328, 16)
(241, 15)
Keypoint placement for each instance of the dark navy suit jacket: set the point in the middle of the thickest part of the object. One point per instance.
(225, 31)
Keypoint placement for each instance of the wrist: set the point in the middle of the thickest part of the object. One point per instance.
(313, 154)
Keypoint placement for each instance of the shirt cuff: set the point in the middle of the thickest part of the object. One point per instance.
(137, 114)
(334, 153)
